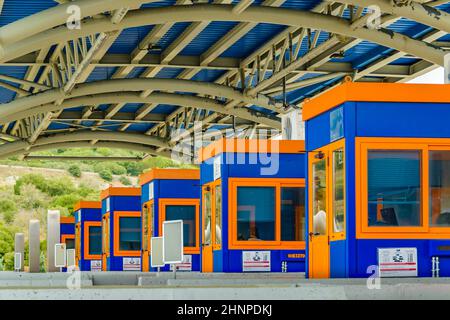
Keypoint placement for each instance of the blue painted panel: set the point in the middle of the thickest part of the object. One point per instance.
(67, 228)
(338, 259)
(403, 119)
(278, 165)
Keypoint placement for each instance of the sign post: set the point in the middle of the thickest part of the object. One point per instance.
(60, 255)
(156, 253)
(173, 243)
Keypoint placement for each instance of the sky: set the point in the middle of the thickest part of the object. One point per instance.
(434, 76)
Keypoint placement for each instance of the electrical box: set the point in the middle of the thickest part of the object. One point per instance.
(293, 126)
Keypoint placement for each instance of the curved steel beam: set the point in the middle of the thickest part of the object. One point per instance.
(124, 137)
(411, 10)
(155, 98)
(53, 17)
(208, 12)
(141, 84)
(87, 144)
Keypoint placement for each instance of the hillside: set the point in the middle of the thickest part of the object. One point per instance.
(29, 188)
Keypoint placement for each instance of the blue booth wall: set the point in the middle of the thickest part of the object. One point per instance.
(66, 228)
(86, 214)
(171, 189)
(351, 257)
(118, 203)
(290, 166)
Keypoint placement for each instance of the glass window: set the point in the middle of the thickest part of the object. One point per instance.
(95, 240)
(439, 188)
(207, 219)
(292, 214)
(319, 199)
(70, 243)
(187, 214)
(256, 213)
(129, 233)
(338, 191)
(218, 216)
(394, 187)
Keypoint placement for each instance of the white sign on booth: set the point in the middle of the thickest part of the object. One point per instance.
(131, 264)
(397, 262)
(186, 265)
(151, 191)
(96, 265)
(216, 168)
(253, 261)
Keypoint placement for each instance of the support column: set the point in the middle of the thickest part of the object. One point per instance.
(19, 247)
(53, 237)
(34, 246)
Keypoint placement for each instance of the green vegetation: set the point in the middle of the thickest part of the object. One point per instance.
(75, 171)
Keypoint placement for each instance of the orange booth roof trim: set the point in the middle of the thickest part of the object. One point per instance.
(67, 220)
(169, 174)
(87, 205)
(120, 191)
(236, 145)
(375, 92)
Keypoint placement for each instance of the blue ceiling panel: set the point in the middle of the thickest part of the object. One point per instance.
(252, 40)
(129, 39)
(169, 73)
(17, 9)
(101, 73)
(207, 38)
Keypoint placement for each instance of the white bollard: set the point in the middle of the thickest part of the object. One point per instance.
(19, 247)
(34, 246)
(53, 235)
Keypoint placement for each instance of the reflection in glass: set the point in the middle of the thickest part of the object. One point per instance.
(129, 233)
(187, 214)
(218, 214)
(440, 188)
(70, 243)
(256, 213)
(319, 200)
(292, 214)
(207, 219)
(95, 240)
(394, 186)
(338, 191)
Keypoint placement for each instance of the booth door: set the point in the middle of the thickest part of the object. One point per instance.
(105, 240)
(319, 244)
(77, 243)
(147, 232)
(207, 229)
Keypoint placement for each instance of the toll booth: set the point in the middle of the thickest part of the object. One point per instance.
(121, 229)
(88, 235)
(67, 231)
(172, 194)
(379, 181)
(253, 206)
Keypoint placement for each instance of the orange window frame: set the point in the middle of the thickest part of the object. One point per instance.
(117, 251)
(277, 183)
(213, 185)
(87, 225)
(149, 204)
(424, 145)
(330, 185)
(64, 237)
(106, 240)
(163, 202)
